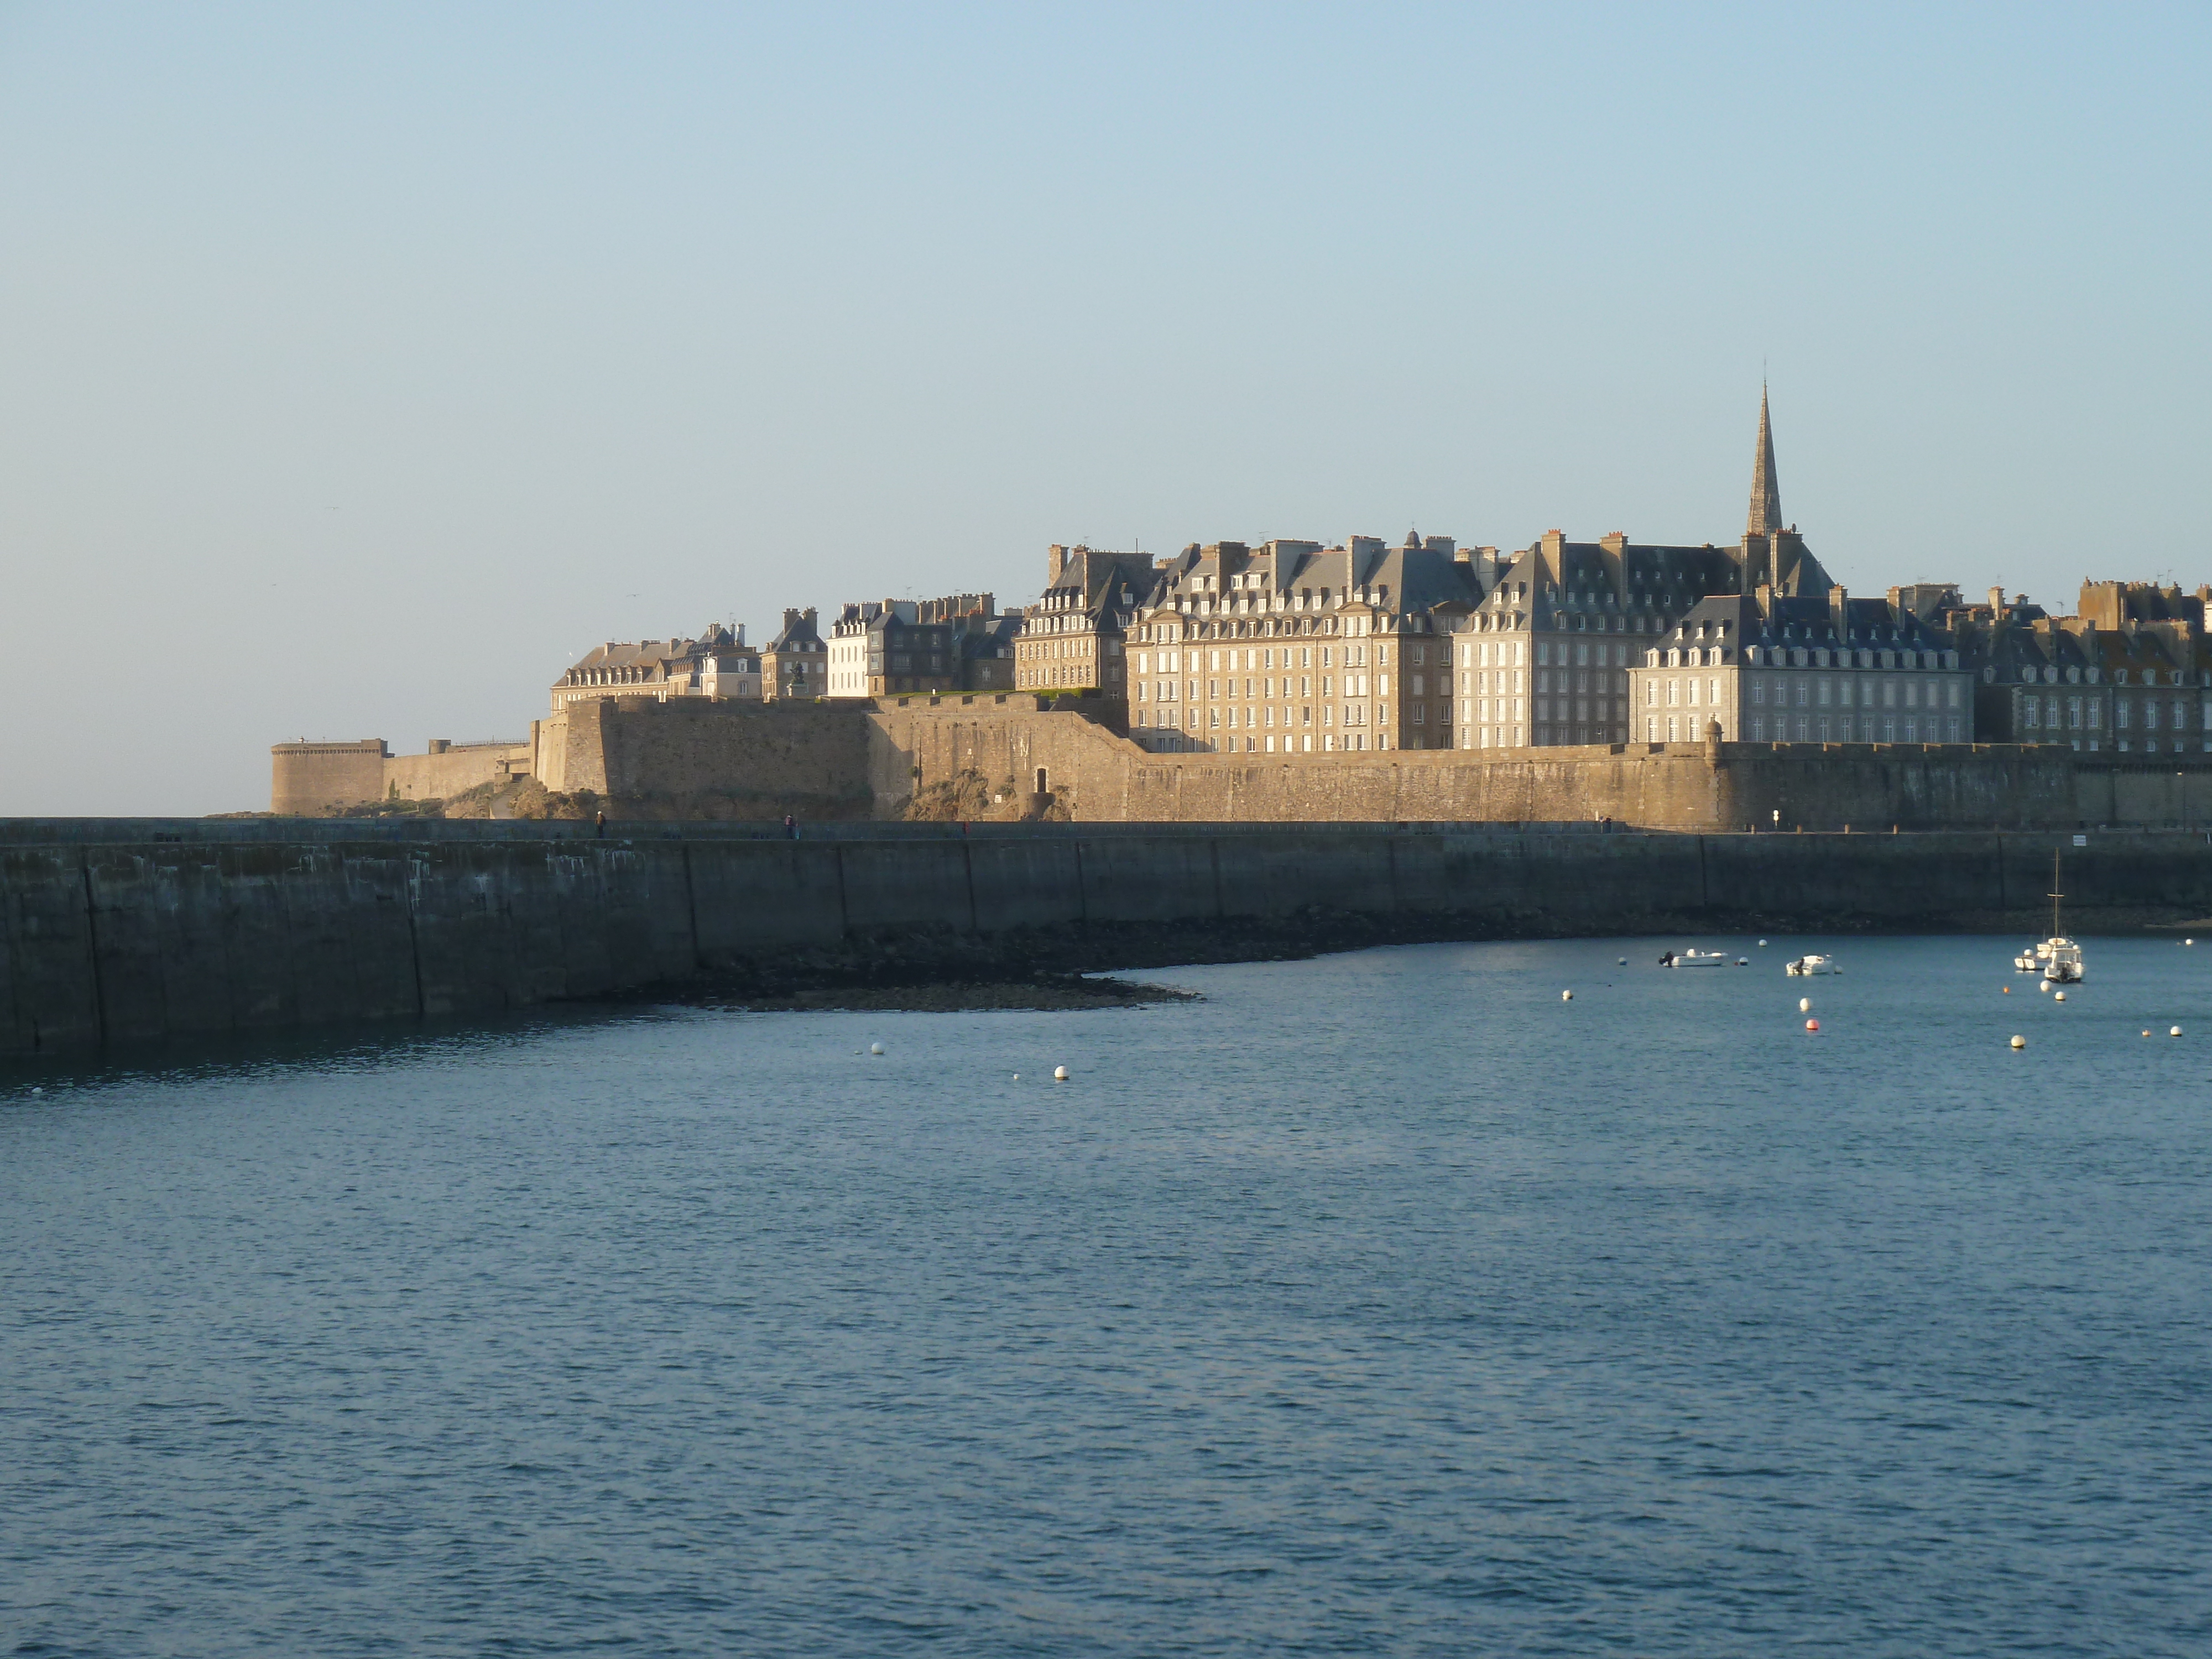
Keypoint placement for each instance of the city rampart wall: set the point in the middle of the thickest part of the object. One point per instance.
(453, 769)
(1094, 775)
(847, 759)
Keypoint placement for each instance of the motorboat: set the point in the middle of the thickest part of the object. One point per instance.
(2060, 956)
(1806, 965)
(2031, 959)
(1694, 959)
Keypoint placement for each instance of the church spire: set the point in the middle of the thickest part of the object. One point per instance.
(1765, 493)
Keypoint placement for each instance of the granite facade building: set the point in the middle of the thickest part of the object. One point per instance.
(1766, 668)
(2130, 672)
(1075, 637)
(795, 664)
(1293, 647)
(717, 664)
(1545, 660)
(899, 647)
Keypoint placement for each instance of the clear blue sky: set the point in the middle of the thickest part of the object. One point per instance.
(361, 366)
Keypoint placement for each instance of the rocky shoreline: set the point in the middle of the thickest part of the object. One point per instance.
(1040, 993)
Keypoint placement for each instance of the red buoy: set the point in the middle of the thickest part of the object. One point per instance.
(1812, 1024)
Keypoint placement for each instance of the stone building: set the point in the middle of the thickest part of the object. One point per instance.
(985, 643)
(1292, 647)
(1544, 660)
(1075, 637)
(794, 666)
(1771, 667)
(896, 648)
(2129, 673)
(718, 665)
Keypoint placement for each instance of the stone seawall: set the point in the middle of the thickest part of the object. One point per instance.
(106, 943)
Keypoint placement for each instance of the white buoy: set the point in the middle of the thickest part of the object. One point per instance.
(2042, 984)
(2058, 996)
(1623, 962)
(2176, 1031)
(2020, 1043)
(1018, 1076)
(1566, 996)
(38, 1090)
(1804, 1005)
(1060, 1074)
(875, 1047)
(1762, 945)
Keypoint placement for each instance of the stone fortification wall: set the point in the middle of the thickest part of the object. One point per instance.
(1094, 775)
(694, 757)
(451, 770)
(110, 943)
(310, 778)
(313, 780)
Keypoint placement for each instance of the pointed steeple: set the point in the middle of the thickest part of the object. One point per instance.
(1765, 493)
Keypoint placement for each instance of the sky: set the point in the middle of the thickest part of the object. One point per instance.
(361, 366)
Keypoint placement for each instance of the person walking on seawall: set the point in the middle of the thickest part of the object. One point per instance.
(599, 824)
(790, 828)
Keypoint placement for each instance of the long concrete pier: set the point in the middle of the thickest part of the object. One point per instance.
(117, 931)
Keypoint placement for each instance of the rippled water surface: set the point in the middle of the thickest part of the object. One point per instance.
(1385, 1304)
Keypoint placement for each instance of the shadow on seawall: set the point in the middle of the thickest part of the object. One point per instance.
(109, 942)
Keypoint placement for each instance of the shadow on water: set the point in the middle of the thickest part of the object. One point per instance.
(325, 1049)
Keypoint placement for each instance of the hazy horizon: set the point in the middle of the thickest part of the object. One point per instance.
(364, 367)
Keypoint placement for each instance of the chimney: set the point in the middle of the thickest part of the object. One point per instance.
(1055, 560)
(1616, 542)
(1997, 600)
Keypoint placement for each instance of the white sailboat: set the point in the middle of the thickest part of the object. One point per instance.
(2060, 956)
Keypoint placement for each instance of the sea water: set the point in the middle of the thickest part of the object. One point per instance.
(1383, 1304)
